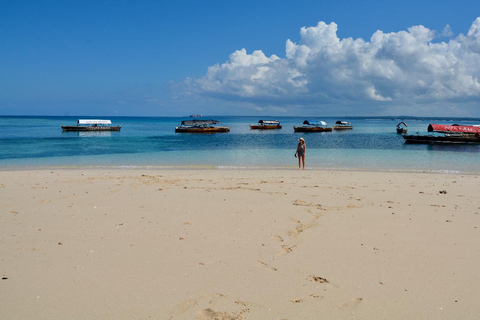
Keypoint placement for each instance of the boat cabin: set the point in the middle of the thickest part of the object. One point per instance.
(400, 129)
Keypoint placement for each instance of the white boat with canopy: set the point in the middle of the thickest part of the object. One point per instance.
(266, 125)
(342, 125)
(313, 126)
(201, 126)
(92, 125)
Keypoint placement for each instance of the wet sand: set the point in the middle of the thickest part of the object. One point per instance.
(224, 244)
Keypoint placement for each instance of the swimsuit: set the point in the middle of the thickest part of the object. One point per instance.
(301, 150)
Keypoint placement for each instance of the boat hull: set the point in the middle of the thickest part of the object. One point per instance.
(431, 139)
(202, 130)
(90, 128)
(312, 129)
(264, 127)
(342, 127)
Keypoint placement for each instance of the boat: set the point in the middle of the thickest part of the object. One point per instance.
(400, 129)
(201, 126)
(266, 125)
(313, 126)
(447, 138)
(453, 128)
(92, 125)
(342, 125)
(446, 134)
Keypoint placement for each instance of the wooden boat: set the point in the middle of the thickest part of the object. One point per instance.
(313, 126)
(446, 138)
(342, 125)
(266, 125)
(453, 128)
(446, 134)
(201, 126)
(400, 129)
(92, 125)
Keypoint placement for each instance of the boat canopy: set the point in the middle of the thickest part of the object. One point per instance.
(342, 122)
(199, 122)
(314, 123)
(270, 122)
(90, 121)
(450, 128)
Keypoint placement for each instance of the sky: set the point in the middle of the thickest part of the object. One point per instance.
(279, 58)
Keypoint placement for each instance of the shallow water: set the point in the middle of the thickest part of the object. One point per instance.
(373, 144)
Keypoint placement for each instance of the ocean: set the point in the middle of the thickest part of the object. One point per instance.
(151, 142)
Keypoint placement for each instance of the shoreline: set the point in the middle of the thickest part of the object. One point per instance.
(238, 244)
(232, 168)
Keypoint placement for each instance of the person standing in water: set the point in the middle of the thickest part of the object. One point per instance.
(301, 151)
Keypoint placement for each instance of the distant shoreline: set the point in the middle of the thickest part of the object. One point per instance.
(372, 117)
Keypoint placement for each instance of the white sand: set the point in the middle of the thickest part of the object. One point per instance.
(220, 244)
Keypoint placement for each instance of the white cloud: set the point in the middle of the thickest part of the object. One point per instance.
(447, 32)
(405, 67)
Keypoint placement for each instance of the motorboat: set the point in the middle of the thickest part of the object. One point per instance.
(266, 125)
(446, 134)
(92, 125)
(201, 126)
(313, 126)
(342, 125)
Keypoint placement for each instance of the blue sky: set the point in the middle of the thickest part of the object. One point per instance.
(167, 58)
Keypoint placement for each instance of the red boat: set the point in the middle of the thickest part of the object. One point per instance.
(453, 128)
(447, 134)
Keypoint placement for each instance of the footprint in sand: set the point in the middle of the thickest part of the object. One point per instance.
(317, 279)
(350, 304)
(301, 227)
(286, 248)
(278, 238)
(205, 304)
(353, 206)
(263, 264)
(299, 300)
(209, 314)
(302, 203)
(184, 307)
(295, 232)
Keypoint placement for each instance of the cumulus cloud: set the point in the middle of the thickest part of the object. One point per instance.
(405, 67)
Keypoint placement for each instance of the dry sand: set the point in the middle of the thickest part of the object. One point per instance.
(224, 244)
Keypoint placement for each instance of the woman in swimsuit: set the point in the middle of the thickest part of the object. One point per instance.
(301, 151)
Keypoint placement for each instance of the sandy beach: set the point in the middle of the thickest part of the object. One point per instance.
(225, 244)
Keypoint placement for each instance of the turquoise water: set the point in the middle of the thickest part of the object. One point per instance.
(30, 142)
